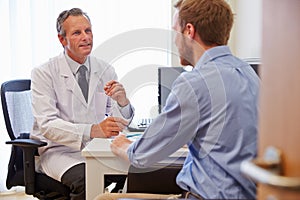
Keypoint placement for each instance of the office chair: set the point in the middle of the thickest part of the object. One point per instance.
(16, 106)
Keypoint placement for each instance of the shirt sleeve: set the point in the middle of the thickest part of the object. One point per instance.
(173, 128)
(126, 111)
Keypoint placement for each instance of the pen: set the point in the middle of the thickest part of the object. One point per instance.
(133, 135)
(106, 115)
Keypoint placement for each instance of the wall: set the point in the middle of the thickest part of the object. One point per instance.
(245, 38)
(246, 34)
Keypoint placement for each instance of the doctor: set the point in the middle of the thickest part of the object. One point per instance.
(68, 117)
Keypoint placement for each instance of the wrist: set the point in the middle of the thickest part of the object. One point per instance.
(93, 131)
(123, 103)
(96, 131)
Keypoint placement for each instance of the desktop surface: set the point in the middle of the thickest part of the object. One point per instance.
(100, 161)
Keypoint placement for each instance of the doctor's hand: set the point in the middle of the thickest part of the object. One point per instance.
(111, 126)
(116, 91)
(120, 145)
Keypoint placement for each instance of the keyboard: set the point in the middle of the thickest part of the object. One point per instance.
(142, 124)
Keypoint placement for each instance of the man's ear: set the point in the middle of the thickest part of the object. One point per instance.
(62, 40)
(190, 30)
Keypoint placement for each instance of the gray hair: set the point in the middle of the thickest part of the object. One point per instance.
(64, 15)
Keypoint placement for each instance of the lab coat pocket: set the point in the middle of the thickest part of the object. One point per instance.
(100, 105)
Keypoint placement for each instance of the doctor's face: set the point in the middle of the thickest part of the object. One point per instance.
(78, 41)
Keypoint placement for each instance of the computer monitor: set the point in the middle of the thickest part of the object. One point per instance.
(166, 77)
(254, 63)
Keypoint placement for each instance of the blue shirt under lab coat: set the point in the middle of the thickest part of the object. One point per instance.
(213, 109)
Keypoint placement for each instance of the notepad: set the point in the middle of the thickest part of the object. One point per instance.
(130, 135)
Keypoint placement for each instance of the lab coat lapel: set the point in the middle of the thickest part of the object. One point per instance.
(71, 83)
(96, 74)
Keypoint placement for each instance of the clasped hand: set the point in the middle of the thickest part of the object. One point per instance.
(120, 145)
(111, 126)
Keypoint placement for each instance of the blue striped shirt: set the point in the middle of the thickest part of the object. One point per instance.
(213, 109)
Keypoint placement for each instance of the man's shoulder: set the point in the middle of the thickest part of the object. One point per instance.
(53, 65)
(51, 61)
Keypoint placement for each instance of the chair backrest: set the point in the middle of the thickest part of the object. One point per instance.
(16, 106)
(17, 110)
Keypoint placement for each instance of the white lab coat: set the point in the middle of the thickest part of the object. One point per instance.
(62, 117)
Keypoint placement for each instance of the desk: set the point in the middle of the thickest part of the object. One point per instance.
(101, 161)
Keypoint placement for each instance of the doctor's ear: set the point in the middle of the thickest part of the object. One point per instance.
(62, 40)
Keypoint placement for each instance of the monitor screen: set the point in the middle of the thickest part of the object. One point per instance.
(255, 64)
(166, 77)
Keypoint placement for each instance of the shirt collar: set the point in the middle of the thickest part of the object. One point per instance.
(213, 53)
(75, 65)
